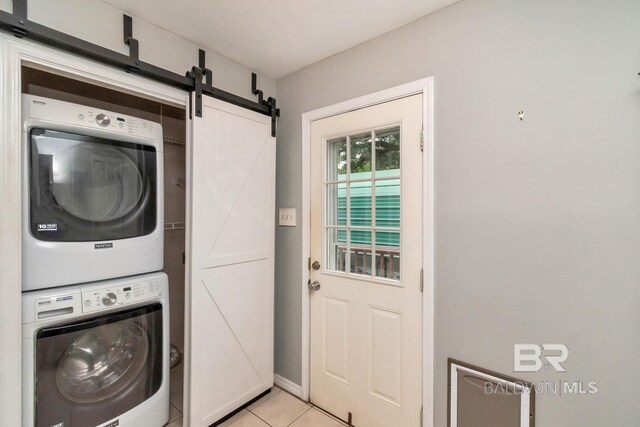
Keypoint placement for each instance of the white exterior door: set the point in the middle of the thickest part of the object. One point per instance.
(231, 260)
(366, 237)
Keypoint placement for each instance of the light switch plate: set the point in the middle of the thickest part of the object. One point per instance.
(287, 217)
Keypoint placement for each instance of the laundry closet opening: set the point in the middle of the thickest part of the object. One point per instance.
(44, 83)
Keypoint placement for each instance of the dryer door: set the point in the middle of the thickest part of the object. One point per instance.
(91, 372)
(88, 189)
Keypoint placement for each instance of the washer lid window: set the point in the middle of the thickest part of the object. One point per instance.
(89, 371)
(87, 189)
(102, 362)
(95, 182)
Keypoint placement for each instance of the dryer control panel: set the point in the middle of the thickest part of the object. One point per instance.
(61, 112)
(118, 295)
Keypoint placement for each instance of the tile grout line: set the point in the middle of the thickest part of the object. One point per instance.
(258, 404)
(301, 415)
(258, 416)
(271, 425)
(271, 395)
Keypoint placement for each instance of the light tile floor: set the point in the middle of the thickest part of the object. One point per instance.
(276, 409)
(175, 396)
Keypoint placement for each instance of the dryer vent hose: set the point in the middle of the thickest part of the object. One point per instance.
(174, 356)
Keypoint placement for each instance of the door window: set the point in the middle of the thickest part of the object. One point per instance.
(362, 204)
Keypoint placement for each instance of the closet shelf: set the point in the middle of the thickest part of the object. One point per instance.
(172, 140)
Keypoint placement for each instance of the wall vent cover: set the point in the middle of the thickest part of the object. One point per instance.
(482, 398)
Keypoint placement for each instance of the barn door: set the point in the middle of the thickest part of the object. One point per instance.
(231, 260)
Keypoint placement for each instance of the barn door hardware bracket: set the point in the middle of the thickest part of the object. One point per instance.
(18, 24)
(196, 75)
(254, 88)
(207, 73)
(199, 87)
(134, 46)
(275, 113)
(270, 103)
(20, 12)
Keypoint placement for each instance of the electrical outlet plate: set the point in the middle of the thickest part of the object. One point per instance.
(287, 217)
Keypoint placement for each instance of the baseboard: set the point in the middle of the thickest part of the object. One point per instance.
(288, 386)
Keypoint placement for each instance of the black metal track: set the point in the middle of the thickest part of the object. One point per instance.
(19, 25)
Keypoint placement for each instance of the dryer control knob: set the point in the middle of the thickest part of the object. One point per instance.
(109, 299)
(103, 119)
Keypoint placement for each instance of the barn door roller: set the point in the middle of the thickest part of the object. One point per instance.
(199, 80)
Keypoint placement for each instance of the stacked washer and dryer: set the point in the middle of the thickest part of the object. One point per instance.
(95, 308)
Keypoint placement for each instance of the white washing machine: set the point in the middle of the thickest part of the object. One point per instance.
(97, 355)
(92, 194)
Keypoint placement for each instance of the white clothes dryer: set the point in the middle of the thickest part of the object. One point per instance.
(92, 194)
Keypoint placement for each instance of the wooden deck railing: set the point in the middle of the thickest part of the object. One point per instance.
(387, 264)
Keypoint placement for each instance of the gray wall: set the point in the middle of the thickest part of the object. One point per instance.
(537, 222)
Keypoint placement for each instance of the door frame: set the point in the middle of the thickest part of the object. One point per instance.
(13, 52)
(424, 87)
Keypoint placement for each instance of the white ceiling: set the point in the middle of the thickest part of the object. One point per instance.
(280, 36)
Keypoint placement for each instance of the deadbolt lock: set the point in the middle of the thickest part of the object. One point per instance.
(315, 265)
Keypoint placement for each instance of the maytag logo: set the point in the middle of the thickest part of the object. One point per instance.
(103, 245)
(47, 227)
(35, 101)
(116, 423)
(44, 302)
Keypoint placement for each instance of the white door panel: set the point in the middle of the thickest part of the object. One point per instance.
(232, 249)
(335, 339)
(366, 232)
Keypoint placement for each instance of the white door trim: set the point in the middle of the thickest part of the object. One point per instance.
(424, 86)
(12, 53)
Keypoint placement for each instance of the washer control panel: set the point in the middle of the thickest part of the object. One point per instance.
(103, 120)
(130, 293)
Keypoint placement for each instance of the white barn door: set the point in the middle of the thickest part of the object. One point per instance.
(231, 257)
